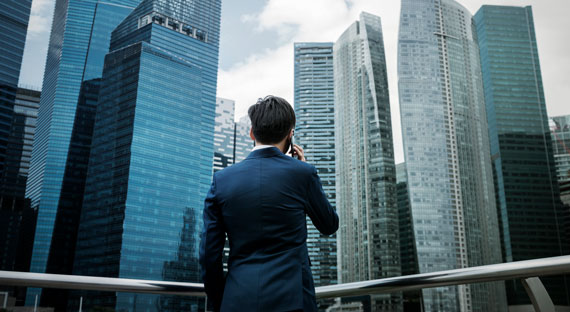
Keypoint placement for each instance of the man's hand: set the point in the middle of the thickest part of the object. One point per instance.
(298, 152)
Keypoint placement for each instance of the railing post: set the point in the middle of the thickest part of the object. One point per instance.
(538, 295)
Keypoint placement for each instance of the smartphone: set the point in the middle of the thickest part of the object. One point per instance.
(292, 150)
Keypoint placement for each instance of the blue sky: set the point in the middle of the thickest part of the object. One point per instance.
(257, 36)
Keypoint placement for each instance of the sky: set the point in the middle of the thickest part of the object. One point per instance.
(257, 37)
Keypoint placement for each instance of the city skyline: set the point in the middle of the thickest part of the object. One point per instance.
(273, 27)
(160, 64)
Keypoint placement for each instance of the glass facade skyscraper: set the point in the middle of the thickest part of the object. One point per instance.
(521, 147)
(446, 148)
(368, 245)
(224, 134)
(17, 218)
(14, 17)
(314, 131)
(151, 157)
(79, 40)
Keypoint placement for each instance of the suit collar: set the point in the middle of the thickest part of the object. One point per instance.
(265, 152)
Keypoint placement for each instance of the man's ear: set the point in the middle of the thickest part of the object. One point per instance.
(251, 134)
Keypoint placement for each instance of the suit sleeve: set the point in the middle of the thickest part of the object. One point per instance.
(319, 209)
(211, 249)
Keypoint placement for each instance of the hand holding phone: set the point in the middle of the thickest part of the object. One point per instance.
(297, 151)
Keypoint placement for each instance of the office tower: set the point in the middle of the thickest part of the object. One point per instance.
(17, 218)
(446, 148)
(560, 132)
(521, 148)
(14, 17)
(243, 142)
(79, 40)
(408, 254)
(368, 246)
(151, 157)
(314, 131)
(224, 133)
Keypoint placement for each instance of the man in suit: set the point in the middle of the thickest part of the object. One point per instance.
(261, 203)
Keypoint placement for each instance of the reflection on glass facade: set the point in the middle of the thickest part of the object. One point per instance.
(521, 147)
(224, 133)
(560, 133)
(151, 157)
(444, 128)
(368, 245)
(17, 218)
(14, 17)
(408, 254)
(79, 40)
(314, 131)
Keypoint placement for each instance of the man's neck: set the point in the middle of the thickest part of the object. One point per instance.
(280, 146)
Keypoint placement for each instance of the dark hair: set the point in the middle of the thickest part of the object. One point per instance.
(272, 118)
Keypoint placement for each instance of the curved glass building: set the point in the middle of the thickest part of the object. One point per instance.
(368, 245)
(446, 148)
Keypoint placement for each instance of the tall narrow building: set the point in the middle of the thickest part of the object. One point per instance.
(521, 147)
(14, 18)
(224, 134)
(17, 218)
(314, 131)
(79, 40)
(368, 246)
(151, 157)
(446, 148)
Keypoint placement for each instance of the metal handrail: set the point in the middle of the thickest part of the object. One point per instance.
(486, 273)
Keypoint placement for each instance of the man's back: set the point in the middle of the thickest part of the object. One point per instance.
(261, 203)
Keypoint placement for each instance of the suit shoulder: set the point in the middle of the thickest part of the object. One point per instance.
(302, 166)
(227, 171)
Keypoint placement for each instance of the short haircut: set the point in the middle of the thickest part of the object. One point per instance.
(272, 118)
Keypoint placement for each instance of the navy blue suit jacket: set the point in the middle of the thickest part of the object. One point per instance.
(262, 203)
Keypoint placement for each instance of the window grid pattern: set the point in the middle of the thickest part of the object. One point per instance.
(528, 196)
(314, 131)
(446, 151)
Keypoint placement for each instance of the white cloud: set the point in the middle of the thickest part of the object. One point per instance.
(41, 17)
(271, 71)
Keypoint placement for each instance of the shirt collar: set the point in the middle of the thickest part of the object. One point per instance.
(258, 147)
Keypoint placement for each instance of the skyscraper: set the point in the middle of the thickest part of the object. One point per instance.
(151, 158)
(521, 147)
(368, 246)
(79, 40)
(243, 143)
(444, 128)
(14, 17)
(224, 134)
(314, 131)
(560, 131)
(17, 218)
